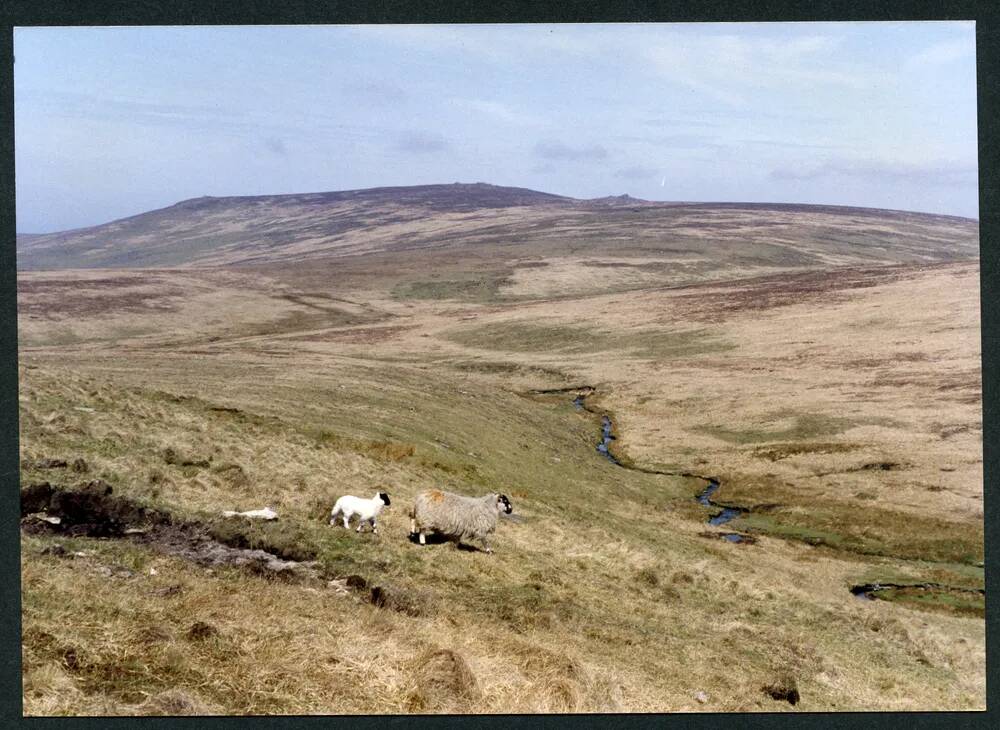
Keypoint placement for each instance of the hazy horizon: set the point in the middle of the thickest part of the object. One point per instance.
(475, 182)
(113, 122)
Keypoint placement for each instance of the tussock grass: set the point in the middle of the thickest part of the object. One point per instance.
(444, 683)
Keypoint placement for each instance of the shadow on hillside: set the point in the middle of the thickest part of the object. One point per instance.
(435, 538)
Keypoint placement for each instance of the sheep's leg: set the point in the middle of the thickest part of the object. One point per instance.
(374, 528)
(486, 545)
(423, 538)
(347, 521)
(413, 525)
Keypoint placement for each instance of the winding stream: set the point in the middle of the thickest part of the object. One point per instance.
(726, 513)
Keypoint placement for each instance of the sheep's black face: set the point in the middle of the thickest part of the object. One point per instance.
(504, 505)
(385, 498)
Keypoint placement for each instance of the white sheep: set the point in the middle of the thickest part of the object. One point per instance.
(366, 509)
(457, 517)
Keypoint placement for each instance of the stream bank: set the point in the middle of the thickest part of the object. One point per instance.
(725, 512)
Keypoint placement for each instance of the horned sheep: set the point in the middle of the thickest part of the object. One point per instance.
(457, 517)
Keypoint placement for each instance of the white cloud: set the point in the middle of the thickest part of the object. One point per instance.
(498, 110)
(556, 150)
(497, 43)
(420, 142)
(636, 173)
(730, 68)
(933, 173)
(941, 53)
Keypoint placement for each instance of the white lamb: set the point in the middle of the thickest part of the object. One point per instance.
(366, 509)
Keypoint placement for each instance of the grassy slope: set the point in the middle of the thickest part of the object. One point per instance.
(532, 620)
(378, 389)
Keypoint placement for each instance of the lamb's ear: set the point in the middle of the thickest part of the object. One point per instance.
(385, 498)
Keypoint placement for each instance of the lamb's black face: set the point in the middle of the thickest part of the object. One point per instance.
(504, 504)
(385, 498)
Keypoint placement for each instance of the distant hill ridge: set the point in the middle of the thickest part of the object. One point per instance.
(213, 231)
(456, 196)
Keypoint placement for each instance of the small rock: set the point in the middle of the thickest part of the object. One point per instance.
(85, 409)
(701, 696)
(153, 571)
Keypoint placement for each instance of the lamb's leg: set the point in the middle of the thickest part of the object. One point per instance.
(374, 528)
(347, 521)
(423, 538)
(413, 525)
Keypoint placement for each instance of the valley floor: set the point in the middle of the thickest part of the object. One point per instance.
(841, 409)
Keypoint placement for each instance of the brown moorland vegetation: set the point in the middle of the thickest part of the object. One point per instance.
(822, 363)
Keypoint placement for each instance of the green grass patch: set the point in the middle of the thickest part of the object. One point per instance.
(873, 531)
(471, 287)
(792, 426)
(531, 337)
(497, 367)
(779, 451)
(959, 603)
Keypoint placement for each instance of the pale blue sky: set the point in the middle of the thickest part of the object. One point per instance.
(110, 122)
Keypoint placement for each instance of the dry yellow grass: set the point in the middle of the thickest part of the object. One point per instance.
(609, 597)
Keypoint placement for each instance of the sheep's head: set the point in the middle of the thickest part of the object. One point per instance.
(384, 496)
(503, 504)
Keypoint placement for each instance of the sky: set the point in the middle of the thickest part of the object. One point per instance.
(111, 122)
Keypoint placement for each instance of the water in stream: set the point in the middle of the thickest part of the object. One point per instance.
(725, 515)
